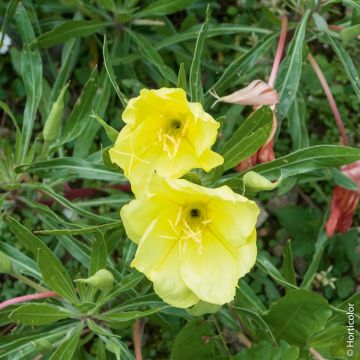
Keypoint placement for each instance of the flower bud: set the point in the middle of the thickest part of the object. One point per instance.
(101, 280)
(52, 126)
(256, 93)
(5, 263)
(255, 182)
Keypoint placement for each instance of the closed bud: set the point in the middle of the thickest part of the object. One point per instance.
(255, 182)
(102, 280)
(5, 264)
(256, 93)
(52, 126)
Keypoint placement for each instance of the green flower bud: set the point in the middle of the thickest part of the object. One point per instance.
(52, 126)
(102, 280)
(5, 264)
(255, 182)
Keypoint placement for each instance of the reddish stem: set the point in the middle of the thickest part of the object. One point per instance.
(137, 339)
(330, 98)
(279, 51)
(26, 298)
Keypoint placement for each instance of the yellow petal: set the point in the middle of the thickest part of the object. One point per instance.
(212, 273)
(247, 255)
(158, 257)
(210, 159)
(203, 129)
(233, 220)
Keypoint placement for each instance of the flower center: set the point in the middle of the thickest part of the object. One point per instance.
(172, 134)
(190, 225)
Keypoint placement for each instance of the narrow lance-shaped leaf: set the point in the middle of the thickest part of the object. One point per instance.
(196, 90)
(248, 138)
(151, 55)
(31, 72)
(68, 30)
(348, 64)
(67, 348)
(111, 74)
(302, 161)
(72, 168)
(163, 7)
(288, 264)
(56, 276)
(290, 72)
(182, 83)
(98, 254)
(39, 314)
(80, 114)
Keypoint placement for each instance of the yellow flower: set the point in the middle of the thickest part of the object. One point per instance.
(166, 133)
(194, 243)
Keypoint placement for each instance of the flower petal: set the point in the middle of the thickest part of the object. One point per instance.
(233, 220)
(158, 257)
(212, 273)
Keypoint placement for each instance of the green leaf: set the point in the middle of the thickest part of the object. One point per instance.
(7, 110)
(266, 350)
(247, 298)
(321, 241)
(80, 115)
(308, 159)
(297, 124)
(196, 340)
(182, 82)
(242, 63)
(93, 326)
(69, 56)
(115, 316)
(71, 167)
(31, 73)
(348, 64)
(342, 180)
(25, 236)
(110, 131)
(213, 30)
(82, 230)
(39, 314)
(256, 318)
(56, 276)
(22, 264)
(265, 265)
(68, 204)
(297, 316)
(112, 77)
(98, 255)
(248, 138)
(25, 345)
(9, 13)
(196, 90)
(163, 7)
(288, 264)
(67, 348)
(68, 30)
(152, 55)
(290, 71)
(350, 32)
